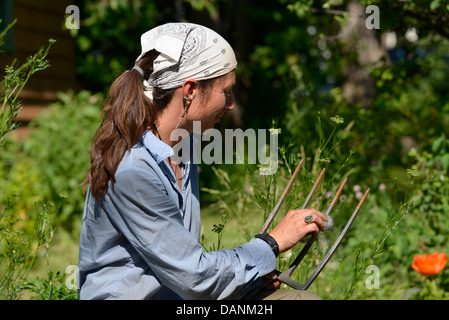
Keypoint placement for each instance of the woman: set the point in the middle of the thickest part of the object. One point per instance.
(141, 223)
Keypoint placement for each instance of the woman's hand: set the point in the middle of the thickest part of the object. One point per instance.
(272, 282)
(292, 228)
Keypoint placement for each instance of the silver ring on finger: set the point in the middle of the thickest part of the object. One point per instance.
(308, 219)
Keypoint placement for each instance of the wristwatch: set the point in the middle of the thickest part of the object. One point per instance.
(270, 240)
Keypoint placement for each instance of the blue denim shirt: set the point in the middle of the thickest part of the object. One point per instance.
(142, 240)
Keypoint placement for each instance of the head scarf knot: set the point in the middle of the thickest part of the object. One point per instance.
(187, 51)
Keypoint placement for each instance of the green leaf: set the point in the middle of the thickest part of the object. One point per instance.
(445, 161)
(435, 4)
(436, 145)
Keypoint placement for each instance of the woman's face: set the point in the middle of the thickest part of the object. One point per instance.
(210, 105)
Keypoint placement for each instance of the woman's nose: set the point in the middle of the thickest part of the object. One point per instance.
(229, 103)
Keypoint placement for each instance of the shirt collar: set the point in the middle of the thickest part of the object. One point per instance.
(158, 149)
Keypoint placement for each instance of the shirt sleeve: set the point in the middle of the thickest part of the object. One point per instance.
(140, 207)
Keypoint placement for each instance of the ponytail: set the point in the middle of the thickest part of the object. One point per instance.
(128, 112)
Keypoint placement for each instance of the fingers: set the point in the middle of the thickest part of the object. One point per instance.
(273, 285)
(292, 228)
(271, 282)
(312, 228)
(318, 221)
(310, 217)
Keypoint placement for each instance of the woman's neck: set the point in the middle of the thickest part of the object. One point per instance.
(166, 125)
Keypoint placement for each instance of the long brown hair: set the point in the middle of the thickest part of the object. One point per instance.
(128, 112)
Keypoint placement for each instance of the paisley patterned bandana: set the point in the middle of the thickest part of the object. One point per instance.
(187, 51)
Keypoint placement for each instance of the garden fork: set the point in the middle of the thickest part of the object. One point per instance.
(285, 276)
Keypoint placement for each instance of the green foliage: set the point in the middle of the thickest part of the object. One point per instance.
(40, 189)
(15, 78)
(53, 288)
(109, 38)
(21, 239)
(431, 202)
(19, 248)
(54, 160)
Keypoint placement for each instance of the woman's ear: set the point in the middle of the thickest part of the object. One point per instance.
(189, 89)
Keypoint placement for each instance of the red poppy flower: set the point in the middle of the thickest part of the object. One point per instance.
(430, 264)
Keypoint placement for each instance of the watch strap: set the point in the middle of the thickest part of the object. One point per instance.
(271, 242)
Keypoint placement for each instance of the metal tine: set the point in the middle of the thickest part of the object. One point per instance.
(337, 196)
(306, 203)
(281, 199)
(312, 239)
(329, 255)
(362, 201)
(331, 252)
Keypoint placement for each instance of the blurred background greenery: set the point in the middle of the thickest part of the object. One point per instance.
(368, 104)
